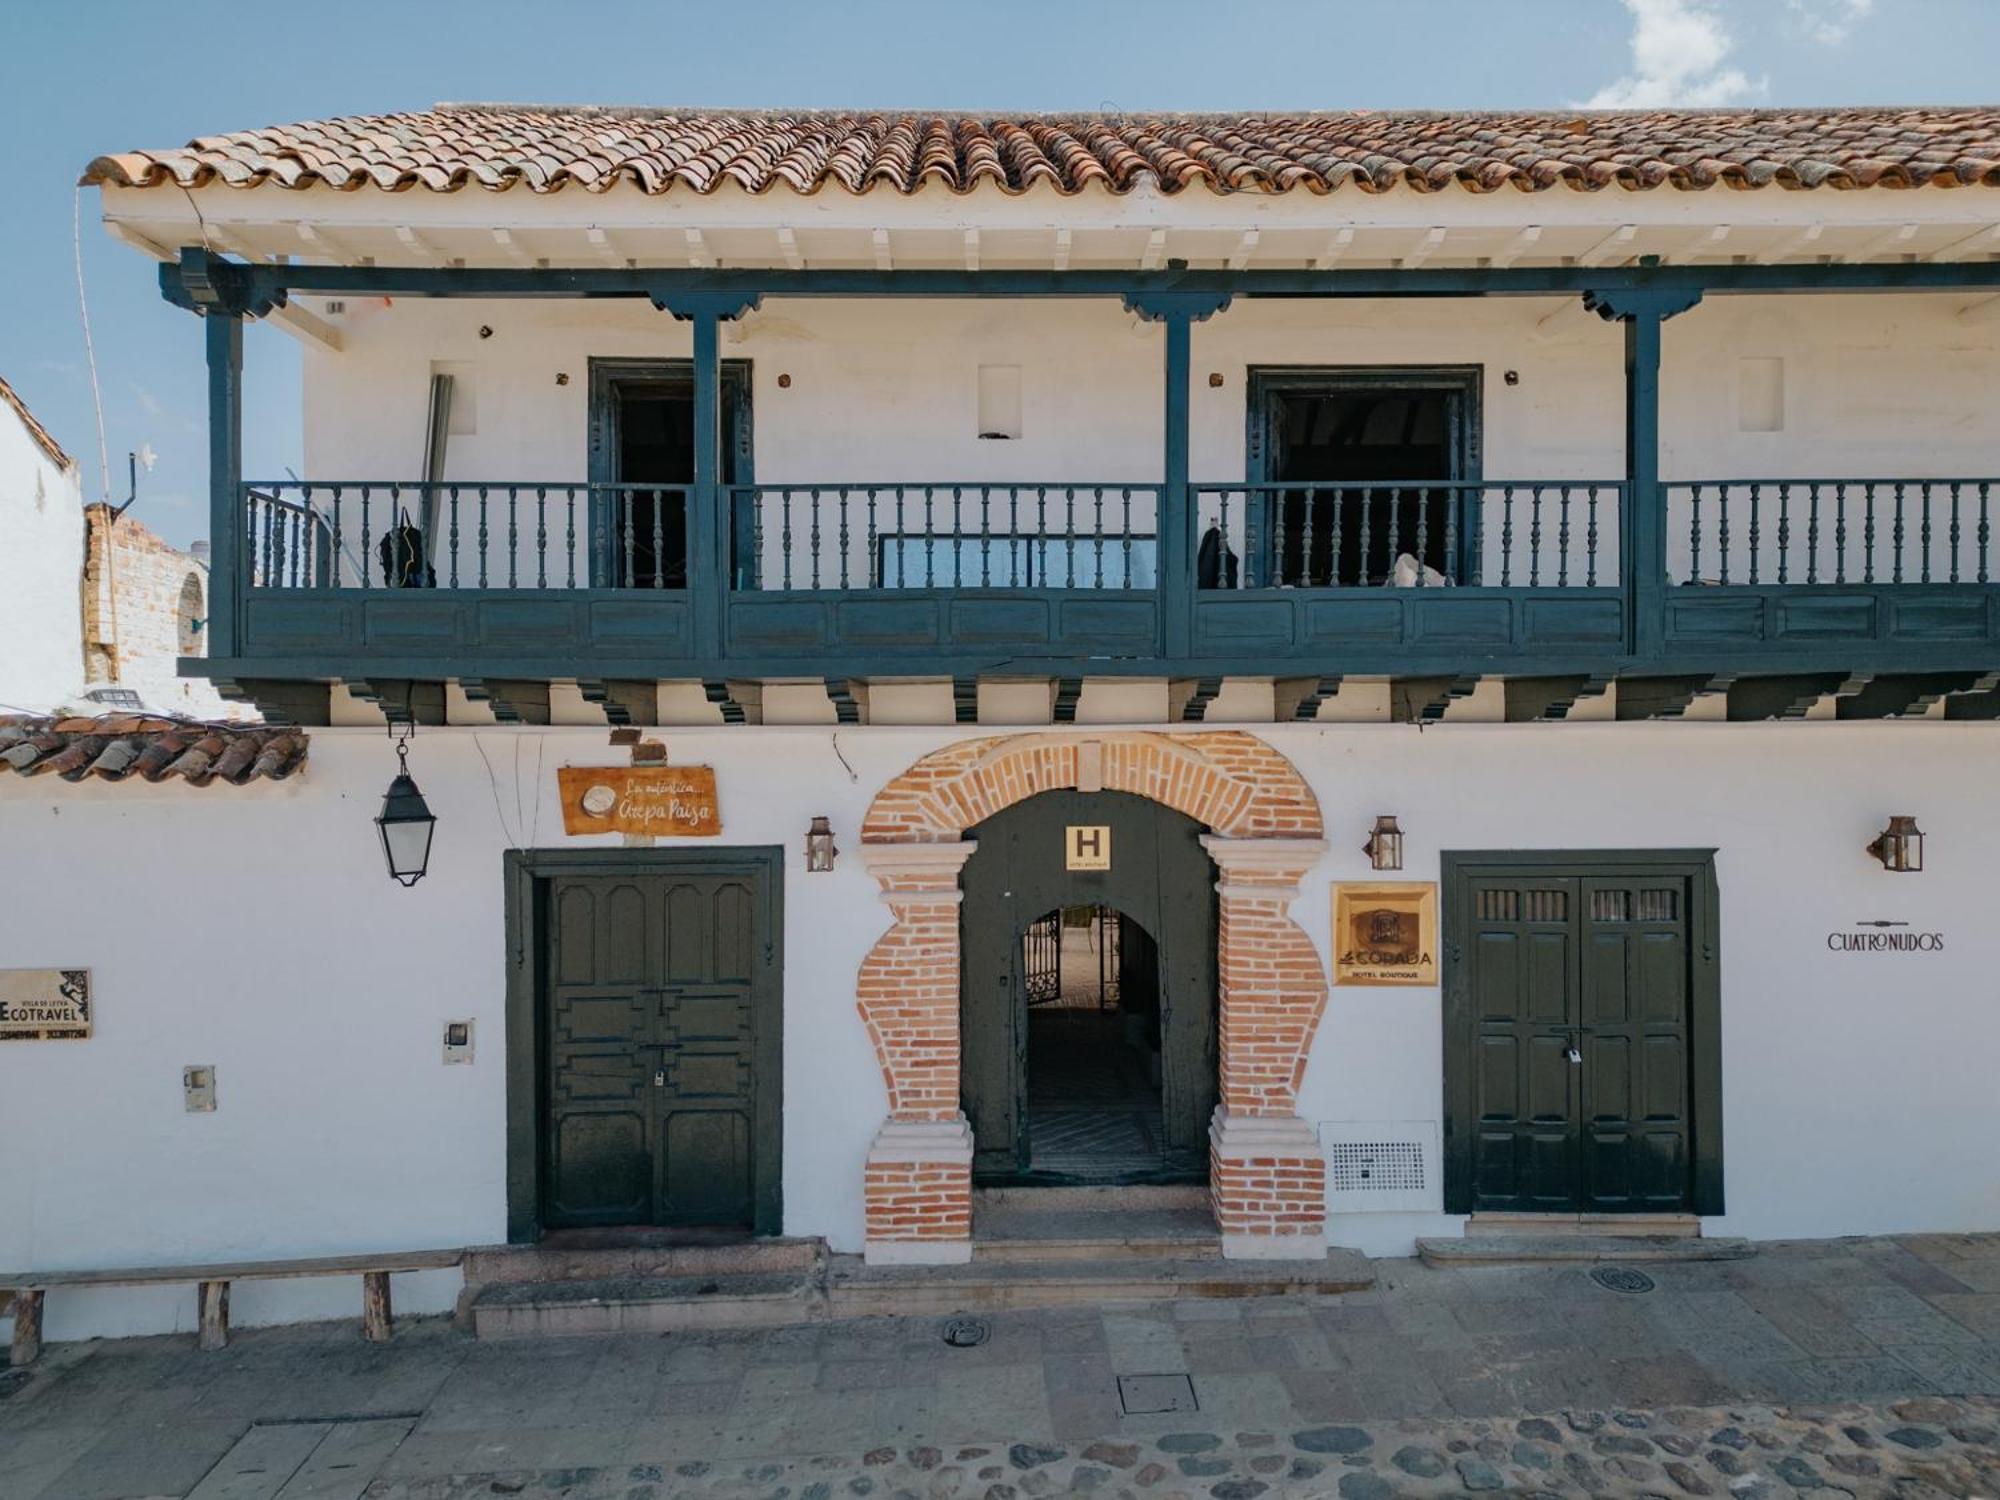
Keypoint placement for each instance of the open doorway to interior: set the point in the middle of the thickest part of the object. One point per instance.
(642, 464)
(1094, 1065)
(1372, 461)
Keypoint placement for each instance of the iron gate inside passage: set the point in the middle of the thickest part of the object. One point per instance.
(1582, 1064)
(660, 1050)
(1089, 993)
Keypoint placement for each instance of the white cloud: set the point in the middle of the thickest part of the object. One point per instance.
(1678, 51)
(1829, 22)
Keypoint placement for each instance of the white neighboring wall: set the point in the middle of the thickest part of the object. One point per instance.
(41, 569)
(1857, 1087)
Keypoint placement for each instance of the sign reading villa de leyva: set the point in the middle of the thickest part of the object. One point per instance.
(44, 1005)
(667, 801)
(1385, 934)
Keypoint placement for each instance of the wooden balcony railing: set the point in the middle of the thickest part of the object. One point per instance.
(1516, 575)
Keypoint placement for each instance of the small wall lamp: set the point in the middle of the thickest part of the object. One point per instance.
(1385, 844)
(819, 847)
(1900, 846)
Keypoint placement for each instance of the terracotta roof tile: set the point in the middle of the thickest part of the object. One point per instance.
(547, 147)
(9, 397)
(154, 749)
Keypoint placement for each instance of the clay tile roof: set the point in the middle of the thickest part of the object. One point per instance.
(10, 397)
(154, 749)
(548, 147)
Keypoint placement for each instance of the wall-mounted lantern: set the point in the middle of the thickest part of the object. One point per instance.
(1385, 844)
(819, 847)
(406, 821)
(1900, 846)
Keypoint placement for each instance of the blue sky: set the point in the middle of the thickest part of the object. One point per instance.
(90, 76)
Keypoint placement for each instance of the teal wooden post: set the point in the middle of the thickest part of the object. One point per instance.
(226, 516)
(1642, 519)
(1179, 311)
(708, 520)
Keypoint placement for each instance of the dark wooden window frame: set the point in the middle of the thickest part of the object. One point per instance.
(607, 375)
(1463, 385)
(527, 873)
(1697, 867)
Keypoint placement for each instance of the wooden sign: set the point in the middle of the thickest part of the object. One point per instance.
(1385, 934)
(1087, 847)
(44, 1005)
(668, 801)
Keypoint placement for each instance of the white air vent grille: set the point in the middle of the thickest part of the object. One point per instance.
(1380, 1166)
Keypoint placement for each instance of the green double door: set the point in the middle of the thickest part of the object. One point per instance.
(1159, 878)
(661, 1089)
(1582, 1069)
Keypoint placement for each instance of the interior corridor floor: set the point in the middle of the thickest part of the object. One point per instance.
(1093, 1107)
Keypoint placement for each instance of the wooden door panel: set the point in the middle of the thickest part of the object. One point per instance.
(706, 1167)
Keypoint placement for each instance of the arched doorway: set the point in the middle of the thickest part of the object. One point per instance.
(1266, 1172)
(1067, 1077)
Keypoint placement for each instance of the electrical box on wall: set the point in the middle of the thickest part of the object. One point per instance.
(198, 1088)
(458, 1041)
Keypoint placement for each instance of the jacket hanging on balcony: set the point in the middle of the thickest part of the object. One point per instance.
(402, 553)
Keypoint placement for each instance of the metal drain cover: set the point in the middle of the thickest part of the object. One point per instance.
(965, 1333)
(1148, 1395)
(1621, 1279)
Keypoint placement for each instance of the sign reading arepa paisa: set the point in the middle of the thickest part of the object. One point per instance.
(667, 801)
(44, 1005)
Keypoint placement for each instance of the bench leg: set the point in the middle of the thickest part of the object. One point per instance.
(377, 1325)
(27, 1327)
(214, 1298)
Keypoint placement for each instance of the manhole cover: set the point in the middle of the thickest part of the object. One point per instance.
(964, 1333)
(1147, 1395)
(1621, 1279)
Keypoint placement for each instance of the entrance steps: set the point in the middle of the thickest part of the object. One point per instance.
(1032, 1247)
(1577, 1249)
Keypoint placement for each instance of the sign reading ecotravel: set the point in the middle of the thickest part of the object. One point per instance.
(665, 800)
(44, 1005)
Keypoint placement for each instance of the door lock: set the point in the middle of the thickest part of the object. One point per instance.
(659, 1078)
(1571, 1054)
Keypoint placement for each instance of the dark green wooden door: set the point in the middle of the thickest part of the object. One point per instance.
(661, 1094)
(1572, 1074)
(1162, 880)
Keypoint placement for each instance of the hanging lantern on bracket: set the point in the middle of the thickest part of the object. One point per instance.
(406, 821)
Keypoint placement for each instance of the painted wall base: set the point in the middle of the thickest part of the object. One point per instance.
(919, 1194)
(1267, 1181)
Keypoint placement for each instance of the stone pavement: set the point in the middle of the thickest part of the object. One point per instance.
(1857, 1366)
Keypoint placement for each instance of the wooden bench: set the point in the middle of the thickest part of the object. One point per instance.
(212, 1284)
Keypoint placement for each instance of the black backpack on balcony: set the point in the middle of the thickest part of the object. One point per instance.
(402, 554)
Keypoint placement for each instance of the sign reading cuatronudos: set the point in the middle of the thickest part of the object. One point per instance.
(44, 1005)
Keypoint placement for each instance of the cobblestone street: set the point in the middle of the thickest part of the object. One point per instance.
(1865, 1367)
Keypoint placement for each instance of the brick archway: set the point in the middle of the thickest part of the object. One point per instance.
(1267, 1178)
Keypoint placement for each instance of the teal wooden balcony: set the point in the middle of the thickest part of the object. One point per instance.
(1517, 576)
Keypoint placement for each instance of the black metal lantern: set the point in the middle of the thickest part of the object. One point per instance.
(1385, 844)
(405, 823)
(819, 847)
(1900, 846)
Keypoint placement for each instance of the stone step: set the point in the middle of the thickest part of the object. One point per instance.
(1587, 1249)
(854, 1289)
(1640, 1226)
(845, 1287)
(1007, 1233)
(1094, 1198)
(637, 1256)
(641, 1304)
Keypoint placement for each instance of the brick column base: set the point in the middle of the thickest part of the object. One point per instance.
(1267, 1181)
(919, 1194)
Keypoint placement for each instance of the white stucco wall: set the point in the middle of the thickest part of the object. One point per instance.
(1872, 387)
(1857, 1087)
(41, 574)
